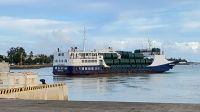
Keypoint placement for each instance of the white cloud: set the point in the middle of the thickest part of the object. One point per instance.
(95, 6)
(39, 33)
(192, 25)
(125, 43)
(11, 2)
(190, 21)
(38, 27)
(188, 46)
(136, 24)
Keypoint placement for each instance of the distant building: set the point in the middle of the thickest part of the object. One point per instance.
(33, 57)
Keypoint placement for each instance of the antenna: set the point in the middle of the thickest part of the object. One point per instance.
(84, 38)
(150, 43)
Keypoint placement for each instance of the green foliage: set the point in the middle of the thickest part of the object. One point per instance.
(18, 56)
(42, 59)
(1, 58)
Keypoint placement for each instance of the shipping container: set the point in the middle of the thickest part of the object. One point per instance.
(124, 61)
(139, 66)
(114, 56)
(132, 61)
(138, 56)
(108, 61)
(116, 61)
(142, 61)
(137, 61)
(137, 51)
(133, 66)
(131, 56)
(108, 56)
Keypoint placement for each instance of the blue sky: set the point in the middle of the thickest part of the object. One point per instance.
(43, 25)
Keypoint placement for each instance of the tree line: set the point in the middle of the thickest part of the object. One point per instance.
(18, 56)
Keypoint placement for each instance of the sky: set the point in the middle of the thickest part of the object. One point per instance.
(42, 26)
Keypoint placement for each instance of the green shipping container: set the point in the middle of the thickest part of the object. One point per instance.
(126, 66)
(155, 49)
(131, 56)
(137, 61)
(139, 66)
(108, 61)
(138, 56)
(124, 61)
(148, 61)
(142, 61)
(114, 56)
(132, 61)
(137, 51)
(116, 61)
(133, 66)
(108, 56)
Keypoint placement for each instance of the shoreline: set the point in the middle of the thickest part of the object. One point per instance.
(93, 106)
(30, 66)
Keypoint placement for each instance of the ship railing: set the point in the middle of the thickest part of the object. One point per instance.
(83, 57)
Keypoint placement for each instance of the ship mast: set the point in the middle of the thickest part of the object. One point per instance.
(150, 43)
(84, 39)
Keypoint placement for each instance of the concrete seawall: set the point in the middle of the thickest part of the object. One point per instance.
(40, 92)
(70, 106)
(30, 66)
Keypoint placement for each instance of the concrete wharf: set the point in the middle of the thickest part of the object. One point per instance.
(82, 106)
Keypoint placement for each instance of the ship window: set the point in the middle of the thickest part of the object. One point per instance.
(85, 68)
(83, 61)
(62, 54)
(56, 61)
(56, 68)
(62, 61)
(65, 68)
(82, 68)
(92, 68)
(65, 60)
(59, 54)
(86, 61)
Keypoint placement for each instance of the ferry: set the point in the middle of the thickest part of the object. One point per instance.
(109, 61)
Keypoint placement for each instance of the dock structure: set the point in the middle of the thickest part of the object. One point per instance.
(25, 85)
(39, 92)
(80, 106)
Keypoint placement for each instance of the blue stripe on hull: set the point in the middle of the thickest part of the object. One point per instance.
(71, 70)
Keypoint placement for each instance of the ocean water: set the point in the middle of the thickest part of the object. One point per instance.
(180, 85)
